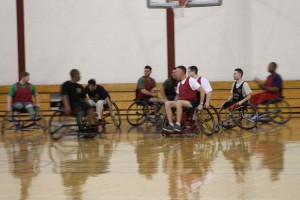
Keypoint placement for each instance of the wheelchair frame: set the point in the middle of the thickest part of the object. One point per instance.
(193, 121)
(144, 114)
(21, 124)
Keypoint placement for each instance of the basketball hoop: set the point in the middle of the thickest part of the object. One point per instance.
(178, 10)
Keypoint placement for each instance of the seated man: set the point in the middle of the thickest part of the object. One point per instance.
(193, 72)
(186, 97)
(240, 91)
(146, 87)
(168, 89)
(98, 97)
(272, 87)
(74, 100)
(20, 96)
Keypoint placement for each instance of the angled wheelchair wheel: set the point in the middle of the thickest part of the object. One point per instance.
(60, 124)
(117, 116)
(245, 116)
(225, 119)
(205, 121)
(216, 117)
(41, 120)
(5, 121)
(279, 111)
(137, 113)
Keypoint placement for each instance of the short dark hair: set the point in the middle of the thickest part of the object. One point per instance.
(194, 69)
(24, 74)
(274, 64)
(74, 72)
(92, 82)
(148, 67)
(183, 68)
(239, 70)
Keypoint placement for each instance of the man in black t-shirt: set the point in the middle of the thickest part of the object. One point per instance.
(74, 100)
(98, 97)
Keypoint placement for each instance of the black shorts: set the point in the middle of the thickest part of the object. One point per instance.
(80, 107)
(194, 104)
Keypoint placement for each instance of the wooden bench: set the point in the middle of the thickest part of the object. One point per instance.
(123, 95)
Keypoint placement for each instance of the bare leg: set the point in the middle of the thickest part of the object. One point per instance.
(179, 105)
(168, 106)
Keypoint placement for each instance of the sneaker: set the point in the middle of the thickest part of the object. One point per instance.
(168, 128)
(177, 128)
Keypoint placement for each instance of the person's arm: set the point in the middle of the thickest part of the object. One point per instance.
(10, 95)
(109, 104)
(9, 103)
(246, 90)
(65, 99)
(208, 91)
(146, 92)
(208, 97)
(244, 100)
(66, 103)
(202, 95)
(37, 100)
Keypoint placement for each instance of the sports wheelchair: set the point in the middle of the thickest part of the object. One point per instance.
(116, 118)
(140, 112)
(18, 120)
(61, 125)
(277, 110)
(244, 116)
(193, 121)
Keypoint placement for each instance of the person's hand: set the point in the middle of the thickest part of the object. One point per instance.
(200, 107)
(38, 105)
(153, 90)
(206, 104)
(154, 94)
(67, 110)
(112, 113)
(239, 103)
(9, 108)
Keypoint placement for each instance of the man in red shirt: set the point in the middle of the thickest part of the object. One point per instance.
(146, 87)
(272, 87)
(20, 96)
(186, 97)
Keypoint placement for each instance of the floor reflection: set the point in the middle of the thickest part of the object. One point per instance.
(138, 163)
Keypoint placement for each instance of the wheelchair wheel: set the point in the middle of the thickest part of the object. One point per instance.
(225, 119)
(205, 121)
(41, 120)
(216, 117)
(279, 111)
(117, 116)
(245, 116)
(137, 113)
(5, 121)
(57, 124)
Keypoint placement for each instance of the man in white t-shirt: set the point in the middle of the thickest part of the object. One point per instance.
(193, 72)
(240, 91)
(186, 97)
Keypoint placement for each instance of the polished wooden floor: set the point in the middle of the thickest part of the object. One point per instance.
(138, 163)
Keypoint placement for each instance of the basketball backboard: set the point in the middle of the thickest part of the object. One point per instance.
(175, 3)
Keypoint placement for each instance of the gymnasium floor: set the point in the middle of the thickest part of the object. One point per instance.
(138, 163)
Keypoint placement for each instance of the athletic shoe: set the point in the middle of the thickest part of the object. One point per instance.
(177, 128)
(168, 128)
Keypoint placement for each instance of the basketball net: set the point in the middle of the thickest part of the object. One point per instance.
(178, 10)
